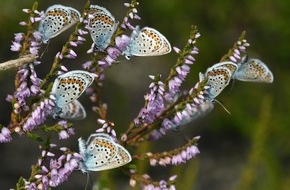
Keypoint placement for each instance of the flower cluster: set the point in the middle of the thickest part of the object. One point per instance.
(76, 39)
(149, 184)
(29, 86)
(234, 54)
(40, 113)
(29, 83)
(106, 127)
(66, 131)
(154, 103)
(58, 170)
(131, 14)
(182, 68)
(190, 106)
(113, 53)
(174, 157)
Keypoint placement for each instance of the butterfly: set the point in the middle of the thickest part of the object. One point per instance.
(147, 42)
(253, 70)
(103, 26)
(67, 88)
(218, 77)
(57, 19)
(101, 152)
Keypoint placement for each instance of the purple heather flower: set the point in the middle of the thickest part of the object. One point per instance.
(63, 135)
(242, 45)
(59, 55)
(154, 106)
(71, 54)
(72, 43)
(58, 170)
(18, 37)
(233, 59)
(32, 186)
(174, 157)
(80, 40)
(132, 14)
(163, 185)
(5, 135)
(16, 46)
(122, 42)
(114, 52)
(176, 49)
(66, 132)
(181, 72)
(87, 64)
(82, 32)
(39, 114)
(185, 155)
(197, 107)
(24, 91)
(37, 36)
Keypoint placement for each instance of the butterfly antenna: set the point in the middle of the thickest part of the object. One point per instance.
(45, 50)
(232, 85)
(88, 179)
(222, 106)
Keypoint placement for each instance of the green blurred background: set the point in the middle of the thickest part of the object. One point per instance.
(247, 149)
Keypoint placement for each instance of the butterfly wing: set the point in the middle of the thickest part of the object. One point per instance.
(99, 151)
(69, 86)
(103, 26)
(73, 110)
(148, 42)
(218, 78)
(58, 18)
(122, 157)
(254, 70)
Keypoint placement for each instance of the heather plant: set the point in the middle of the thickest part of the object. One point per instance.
(167, 107)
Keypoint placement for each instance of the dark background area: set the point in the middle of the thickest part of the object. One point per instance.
(247, 149)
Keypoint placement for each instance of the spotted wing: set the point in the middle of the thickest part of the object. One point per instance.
(58, 18)
(148, 42)
(70, 86)
(99, 151)
(122, 157)
(103, 26)
(254, 70)
(218, 79)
